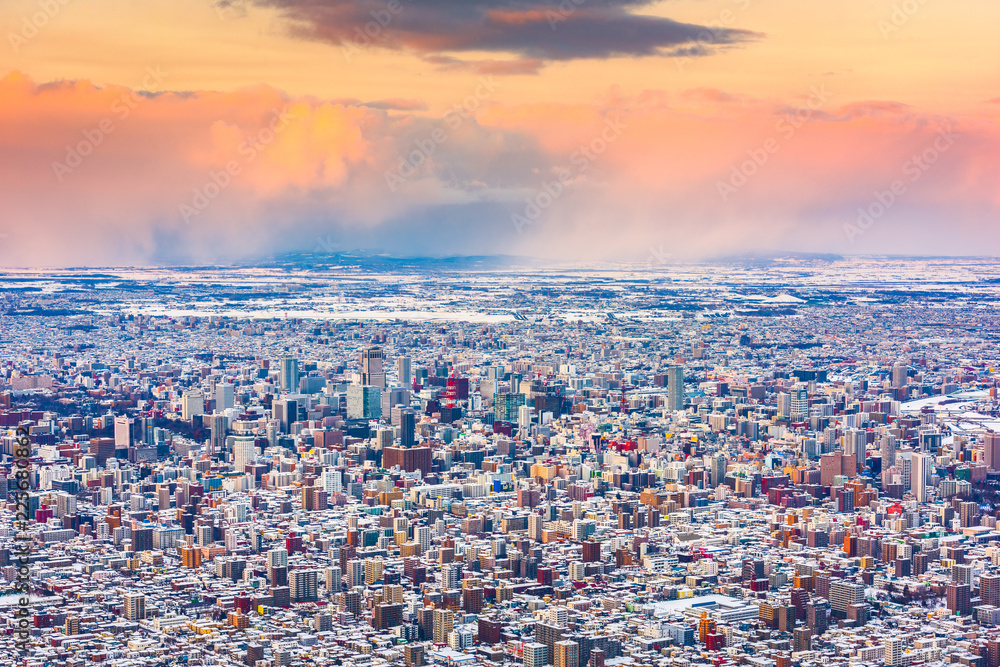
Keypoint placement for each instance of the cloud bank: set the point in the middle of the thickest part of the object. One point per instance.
(93, 176)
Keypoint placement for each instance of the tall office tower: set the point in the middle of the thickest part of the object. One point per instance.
(384, 437)
(930, 440)
(719, 465)
(134, 606)
(244, 451)
(535, 524)
(364, 402)
(920, 467)
(288, 374)
(855, 443)
(959, 599)
(567, 654)
(217, 439)
(991, 446)
(407, 428)
(904, 461)
(302, 585)
(799, 408)
(899, 375)
(524, 416)
(123, 432)
(371, 367)
(192, 404)
(404, 372)
(224, 396)
(888, 447)
(444, 620)
(506, 406)
(286, 413)
(675, 388)
(784, 402)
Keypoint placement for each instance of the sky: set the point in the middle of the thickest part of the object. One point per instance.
(139, 132)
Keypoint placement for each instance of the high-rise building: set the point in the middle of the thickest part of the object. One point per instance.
(989, 589)
(799, 407)
(288, 374)
(224, 396)
(843, 594)
(404, 372)
(899, 373)
(719, 464)
(373, 570)
(134, 606)
(855, 443)
(286, 413)
(277, 558)
(959, 599)
(302, 585)
(894, 651)
(535, 654)
(372, 373)
(675, 388)
(991, 447)
(506, 406)
(567, 654)
(407, 428)
(244, 451)
(123, 432)
(444, 620)
(387, 615)
(364, 402)
(192, 404)
(920, 466)
(217, 439)
(355, 572)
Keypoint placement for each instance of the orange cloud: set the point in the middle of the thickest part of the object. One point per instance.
(92, 175)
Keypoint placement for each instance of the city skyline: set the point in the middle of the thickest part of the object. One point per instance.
(148, 133)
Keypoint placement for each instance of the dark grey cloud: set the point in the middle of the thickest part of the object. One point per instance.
(531, 30)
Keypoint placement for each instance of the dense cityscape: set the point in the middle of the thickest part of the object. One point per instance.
(333, 461)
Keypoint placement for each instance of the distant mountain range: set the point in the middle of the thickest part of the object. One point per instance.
(360, 258)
